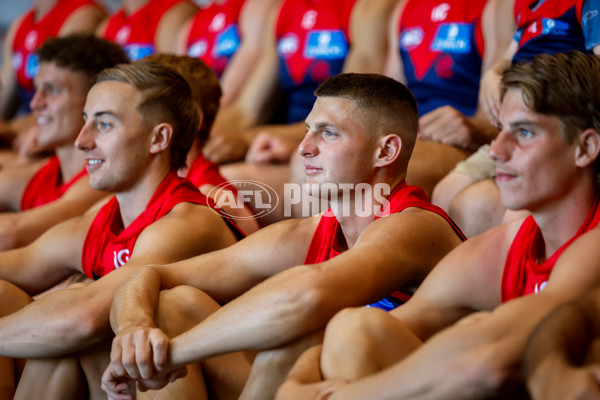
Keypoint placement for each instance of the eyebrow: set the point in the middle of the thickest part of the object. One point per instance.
(321, 125)
(101, 113)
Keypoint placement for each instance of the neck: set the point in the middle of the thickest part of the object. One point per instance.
(42, 7)
(134, 200)
(72, 161)
(560, 221)
(357, 209)
(131, 6)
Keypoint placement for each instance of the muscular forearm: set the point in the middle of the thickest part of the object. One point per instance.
(560, 340)
(135, 300)
(273, 313)
(57, 324)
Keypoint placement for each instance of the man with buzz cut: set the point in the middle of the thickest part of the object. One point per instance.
(280, 285)
(463, 334)
(140, 120)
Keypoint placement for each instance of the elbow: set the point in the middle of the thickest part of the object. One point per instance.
(83, 327)
(307, 298)
(9, 239)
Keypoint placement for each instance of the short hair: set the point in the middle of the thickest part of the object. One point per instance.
(389, 101)
(166, 97)
(206, 89)
(565, 85)
(82, 53)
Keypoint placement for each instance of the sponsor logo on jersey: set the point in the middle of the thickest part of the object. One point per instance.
(554, 26)
(326, 44)
(227, 42)
(122, 35)
(32, 65)
(31, 40)
(198, 49)
(218, 23)
(121, 257)
(411, 38)
(540, 286)
(440, 12)
(453, 38)
(288, 45)
(309, 19)
(137, 51)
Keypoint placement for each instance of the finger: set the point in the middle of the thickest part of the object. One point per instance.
(116, 358)
(143, 355)
(177, 374)
(160, 346)
(128, 359)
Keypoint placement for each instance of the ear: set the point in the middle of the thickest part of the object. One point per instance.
(161, 137)
(388, 150)
(588, 149)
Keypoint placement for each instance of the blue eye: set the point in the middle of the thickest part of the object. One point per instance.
(103, 126)
(525, 133)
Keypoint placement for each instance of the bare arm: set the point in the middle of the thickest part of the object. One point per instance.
(393, 63)
(449, 126)
(368, 34)
(9, 103)
(303, 298)
(68, 320)
(12, 185)
(231, 134)
(84, 20)
(560, 360)
(480, 357)
(21, 228)
(253, 24)
(170, 24)
(498, 31)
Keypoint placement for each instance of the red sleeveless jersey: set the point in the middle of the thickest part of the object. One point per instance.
(31, 34)
(104, 250)
(322, 246)
(47, 185)
(522, 274)
(136, 32)
(204, 172)
(214, 35)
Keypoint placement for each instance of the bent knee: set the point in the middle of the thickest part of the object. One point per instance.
(182, 307)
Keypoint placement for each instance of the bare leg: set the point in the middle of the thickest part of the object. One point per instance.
(11, 299)
(477, 208)
(59, 379)
(447, 189)
(271, 367)
(361, 341)
(430, 162)
(180, 309)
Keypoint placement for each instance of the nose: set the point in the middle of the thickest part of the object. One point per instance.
(307, 147)
(85, 139)
(38, 100)
(500, 149)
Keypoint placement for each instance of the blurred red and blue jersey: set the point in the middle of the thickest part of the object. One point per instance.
(555, 26)
(214, 36)
(441, 47)
(312, 44)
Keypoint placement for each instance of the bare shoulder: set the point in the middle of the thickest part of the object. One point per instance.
(469, 277)
(577, 269)
(84, 19)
